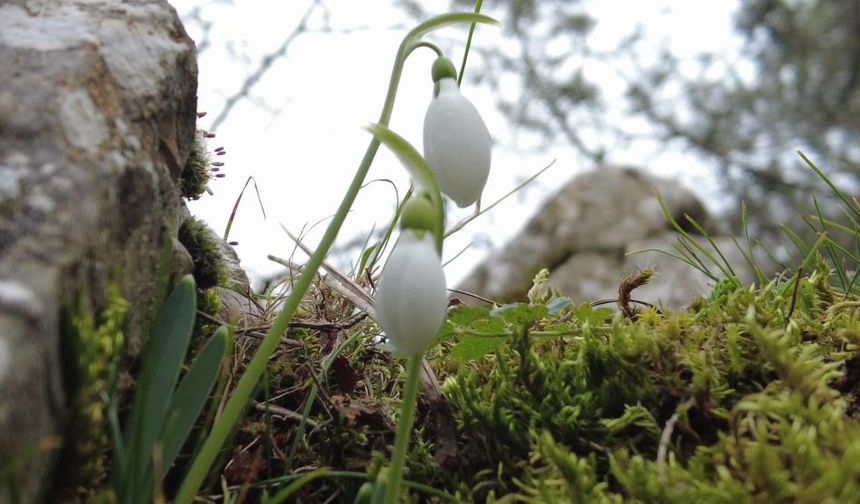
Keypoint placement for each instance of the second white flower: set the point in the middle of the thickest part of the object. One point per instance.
(456, 144)
(411, 298)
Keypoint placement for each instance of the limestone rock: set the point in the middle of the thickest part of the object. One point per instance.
(97, 113)
(584, 233)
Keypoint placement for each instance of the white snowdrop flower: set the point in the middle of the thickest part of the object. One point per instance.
(456, 140)
(411, 299)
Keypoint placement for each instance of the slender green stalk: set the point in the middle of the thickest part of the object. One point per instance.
(404, 428)
(414, 485)
(237, 402)
(248, 382)
(478, 4)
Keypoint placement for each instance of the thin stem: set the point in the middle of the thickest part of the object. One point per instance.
(478, 4)
(428, 45)
(404, 428)
(239, 400)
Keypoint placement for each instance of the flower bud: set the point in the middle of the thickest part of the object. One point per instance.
(418, 214)
(411, 299)
(456, 142)
(443, 68)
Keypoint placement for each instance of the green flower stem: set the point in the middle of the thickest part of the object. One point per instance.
(478, 4)
(421, 173)
(430, 46)
(404, 428)
(247, 383)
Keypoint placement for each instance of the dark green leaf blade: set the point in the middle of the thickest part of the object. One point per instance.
(161, 365)
(192, 393)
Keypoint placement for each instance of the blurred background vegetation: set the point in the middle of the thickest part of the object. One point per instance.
(795, 86)
(792, 82)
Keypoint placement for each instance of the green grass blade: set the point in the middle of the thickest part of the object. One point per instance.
(828, 245)
(745, 224)
(848, 203)
(366, 250)
(688, 242)
(296, 485)
(710, 240)
(687, 250)
(795, 238)
(850, 288)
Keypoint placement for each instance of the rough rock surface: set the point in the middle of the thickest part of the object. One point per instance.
(97, 113)
(584, 233)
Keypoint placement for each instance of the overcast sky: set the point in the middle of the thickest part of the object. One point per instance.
(300, 134)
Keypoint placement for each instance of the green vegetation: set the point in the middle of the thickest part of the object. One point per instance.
(203, 245)
(749, 395)
(96, 344)
(196, 172)
(741, 398)
(165, 408)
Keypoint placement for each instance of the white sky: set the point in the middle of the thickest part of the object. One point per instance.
(301, 136)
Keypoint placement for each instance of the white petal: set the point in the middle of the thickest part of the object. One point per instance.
(411, 299)
(456, 144)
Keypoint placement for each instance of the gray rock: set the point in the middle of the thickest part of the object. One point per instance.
(97, 113)
(584, 234)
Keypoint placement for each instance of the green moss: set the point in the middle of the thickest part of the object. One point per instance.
(209, 303)
(202, 243)
(759, 407)
(195, 174)
(96, 347)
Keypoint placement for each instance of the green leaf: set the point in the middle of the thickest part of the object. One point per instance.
(161, 365)
(447, 332)
(520, 314)
(464, 315)
(445, 20)
(192, 393)
(471, 346)
(418, 169)
(408, 156)
(365, 257)
(557, 304)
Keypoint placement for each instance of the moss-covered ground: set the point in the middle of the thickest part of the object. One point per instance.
(749, 395)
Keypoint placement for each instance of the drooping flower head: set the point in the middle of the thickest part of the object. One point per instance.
(456, 140)
(411, 297)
